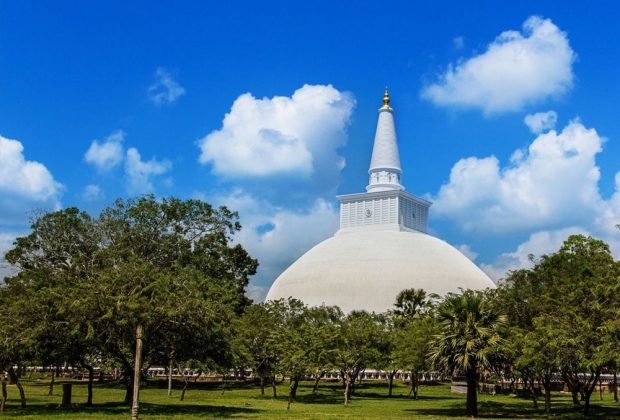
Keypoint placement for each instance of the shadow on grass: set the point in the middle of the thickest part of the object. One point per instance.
(196, 410)
(148, 409)
(499, 410)
(333, 394)
(51, 410)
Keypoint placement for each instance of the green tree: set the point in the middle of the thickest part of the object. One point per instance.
(468, 331)
(292, 341)
(581, 295)
(519, 297)
(359, 346)
(412, 343)
(562, 317)
(389, 342)
(254, 343)
(321, 325)
(53, 262)
(168, 264)
(413, 327)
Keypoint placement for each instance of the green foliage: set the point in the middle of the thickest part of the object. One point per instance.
(84, 284)
(563, 315)
(468, 327)
(359, 342)
(411, 303)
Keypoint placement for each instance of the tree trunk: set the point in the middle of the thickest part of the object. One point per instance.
(170, 378)
(354, 377)
(472, 391)
(415, 383)
(615, 385)
(262, 385)
(290, 393)
(14, 378)
(128, 379)
(186, 382)
(347, 389)
(600, 389)
(91, 379)
(51, 391)
(315, 388)
(547, 386)
(137, 372)
(589, 389)
(533, 393)
(223, 383)
(295, 385)
(101, 376)
(391, 382)
(573, 387)
(4, 394)
(273, 385)
(67, 391)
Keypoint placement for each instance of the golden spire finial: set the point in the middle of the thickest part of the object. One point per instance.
(386, 99)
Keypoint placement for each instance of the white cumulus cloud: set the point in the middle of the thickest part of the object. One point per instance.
(25, 185)
(140, 173)
(166, 90)
(517, 68)
(541, 121)
(548, 191)
(553, 183)
(107, 154)
(24, 178)
(297, 135)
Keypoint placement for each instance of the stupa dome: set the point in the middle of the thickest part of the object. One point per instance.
(367, 269)
(381, 247)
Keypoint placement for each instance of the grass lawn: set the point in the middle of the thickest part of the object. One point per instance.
(369, 402)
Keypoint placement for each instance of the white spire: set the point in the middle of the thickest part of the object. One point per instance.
(384, 173)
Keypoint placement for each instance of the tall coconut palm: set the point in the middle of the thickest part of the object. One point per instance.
(468, 332)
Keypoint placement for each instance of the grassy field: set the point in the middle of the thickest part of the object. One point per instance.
(370, 402)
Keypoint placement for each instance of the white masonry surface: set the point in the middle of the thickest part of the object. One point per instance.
(381, 247)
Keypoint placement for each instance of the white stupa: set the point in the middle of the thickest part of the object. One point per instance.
(381, 247)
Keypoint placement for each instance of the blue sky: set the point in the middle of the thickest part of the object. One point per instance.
(123, 98)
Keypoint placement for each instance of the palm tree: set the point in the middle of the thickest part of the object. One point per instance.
(412, 302)
(468, 332)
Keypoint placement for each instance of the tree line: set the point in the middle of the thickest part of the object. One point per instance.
(160, 283)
